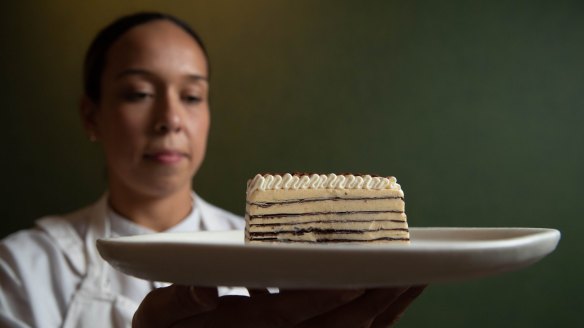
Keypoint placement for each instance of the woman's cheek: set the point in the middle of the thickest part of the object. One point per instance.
(132, 124)
(198, 125)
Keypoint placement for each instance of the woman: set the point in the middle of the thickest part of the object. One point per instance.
(146, 104)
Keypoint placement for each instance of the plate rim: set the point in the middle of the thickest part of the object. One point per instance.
(537, 243)
(135, 240)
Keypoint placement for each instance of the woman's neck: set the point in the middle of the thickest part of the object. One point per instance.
(158, 213)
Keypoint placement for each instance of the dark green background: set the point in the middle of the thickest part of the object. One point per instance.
(476, 107)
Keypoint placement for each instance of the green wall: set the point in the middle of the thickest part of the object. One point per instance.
(476, 107)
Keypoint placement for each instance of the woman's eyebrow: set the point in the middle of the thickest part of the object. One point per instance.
(133, 71)
(143, 72)
(196, 78)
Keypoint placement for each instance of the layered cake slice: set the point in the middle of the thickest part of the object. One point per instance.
(315, 208)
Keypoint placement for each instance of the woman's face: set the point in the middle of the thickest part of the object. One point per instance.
(153, 114)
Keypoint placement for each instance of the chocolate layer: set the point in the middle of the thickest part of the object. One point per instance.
(264, 216)
(323, 221)
(300, 232)
(331, 240)
(309, 200)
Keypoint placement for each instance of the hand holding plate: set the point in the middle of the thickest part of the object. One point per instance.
(182, 306)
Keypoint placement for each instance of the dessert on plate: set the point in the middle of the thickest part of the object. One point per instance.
(317, 208)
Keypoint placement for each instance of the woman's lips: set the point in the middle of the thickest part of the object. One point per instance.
(166, 157)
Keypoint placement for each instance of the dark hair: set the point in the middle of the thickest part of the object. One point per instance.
(96, 54)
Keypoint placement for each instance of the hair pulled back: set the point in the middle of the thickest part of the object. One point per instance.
(96, 54)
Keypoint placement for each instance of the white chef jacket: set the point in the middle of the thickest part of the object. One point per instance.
(52, 276)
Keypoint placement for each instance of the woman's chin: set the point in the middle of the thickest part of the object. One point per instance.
(163, 187)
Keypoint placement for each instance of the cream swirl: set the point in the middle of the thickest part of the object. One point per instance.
(322, 181)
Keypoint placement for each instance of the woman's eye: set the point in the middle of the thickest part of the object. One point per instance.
(191, 99)
(137, 96)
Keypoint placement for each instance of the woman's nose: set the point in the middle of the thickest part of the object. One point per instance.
(168, 117)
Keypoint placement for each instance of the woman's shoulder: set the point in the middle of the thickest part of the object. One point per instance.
(37, 273)
(33, 240)
(55, 240)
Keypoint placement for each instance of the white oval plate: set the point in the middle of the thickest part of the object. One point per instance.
(220, 258)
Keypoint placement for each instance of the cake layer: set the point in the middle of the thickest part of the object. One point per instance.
(330, 205)
(328, 225)
(336, 217)
(331, 236)
(296, 194)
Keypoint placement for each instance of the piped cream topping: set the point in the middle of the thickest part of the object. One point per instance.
(322, 181)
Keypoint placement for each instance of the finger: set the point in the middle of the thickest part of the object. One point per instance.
(358, 313)
(392, 314)
(292, 307)
(286, 309)
(164, 306)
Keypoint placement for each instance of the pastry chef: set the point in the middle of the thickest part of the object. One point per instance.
(145, 102)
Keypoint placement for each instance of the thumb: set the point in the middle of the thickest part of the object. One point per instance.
(163, 307)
